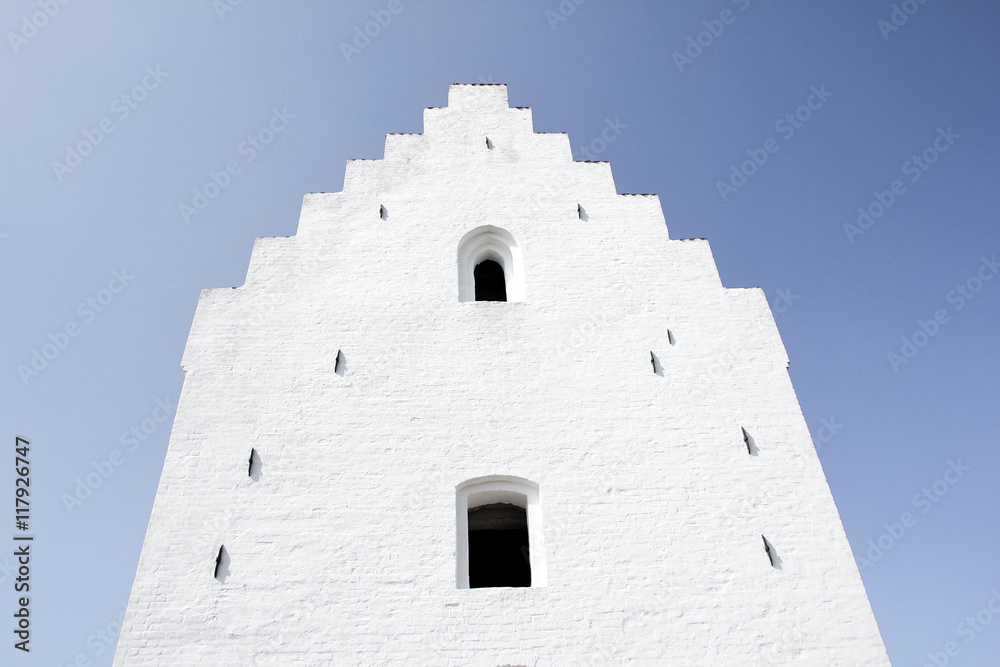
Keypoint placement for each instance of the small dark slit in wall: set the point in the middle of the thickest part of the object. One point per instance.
(749, 442)
(582, 212)
(382, 213)
(772, 557)
(670, 337)
(489, 144)
(656, 364)
(340, 366)
(222, 565)
(253, 469)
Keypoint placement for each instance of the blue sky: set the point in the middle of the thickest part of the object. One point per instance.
(763, 126)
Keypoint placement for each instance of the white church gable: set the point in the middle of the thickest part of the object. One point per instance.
(359, 438)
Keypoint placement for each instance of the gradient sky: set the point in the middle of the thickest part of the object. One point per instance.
(161, 94)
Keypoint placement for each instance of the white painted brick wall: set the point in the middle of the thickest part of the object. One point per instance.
(343, 553)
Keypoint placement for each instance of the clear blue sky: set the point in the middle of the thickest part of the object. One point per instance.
(197, 81)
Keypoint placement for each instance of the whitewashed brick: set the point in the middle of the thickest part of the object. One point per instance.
(343, 552)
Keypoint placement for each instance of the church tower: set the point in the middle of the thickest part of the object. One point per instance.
(482, 410)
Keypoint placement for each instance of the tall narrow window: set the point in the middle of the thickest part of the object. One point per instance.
(499, 540)
(499, 554)
(490, 283)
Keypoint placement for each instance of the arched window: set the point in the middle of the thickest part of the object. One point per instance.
(499, 534)
(489, 266)
(490, 283)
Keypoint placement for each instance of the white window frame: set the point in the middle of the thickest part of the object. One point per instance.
(500, 489)
(489, 242)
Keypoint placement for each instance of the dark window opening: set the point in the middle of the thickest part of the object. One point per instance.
(498, 546)
(490, 282)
